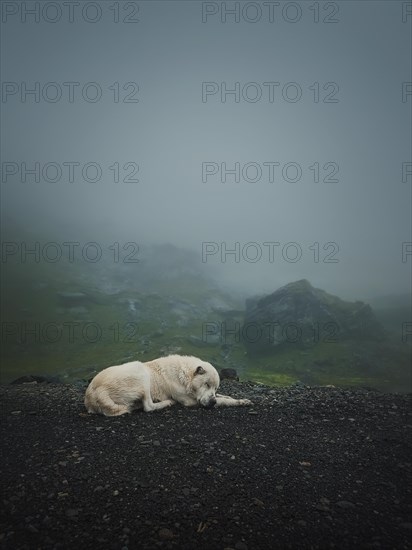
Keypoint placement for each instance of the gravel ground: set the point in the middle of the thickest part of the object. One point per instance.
(303, 468)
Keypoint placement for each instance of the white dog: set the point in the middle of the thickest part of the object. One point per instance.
(155, 385)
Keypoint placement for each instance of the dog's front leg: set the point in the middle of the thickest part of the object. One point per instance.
(149, 406)
(186, 400)
(226, 401)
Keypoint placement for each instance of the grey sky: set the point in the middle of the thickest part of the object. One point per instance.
(170, 132)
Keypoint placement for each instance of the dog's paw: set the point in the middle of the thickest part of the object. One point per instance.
(169, 402)
(245, 402)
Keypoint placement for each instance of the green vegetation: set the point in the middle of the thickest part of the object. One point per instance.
(157, 317)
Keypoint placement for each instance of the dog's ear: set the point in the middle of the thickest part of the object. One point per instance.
(200, 370)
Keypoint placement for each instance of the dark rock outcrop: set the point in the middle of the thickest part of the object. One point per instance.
(300, 314)
(228, 374)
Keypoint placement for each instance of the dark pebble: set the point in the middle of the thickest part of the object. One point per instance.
(345, 504)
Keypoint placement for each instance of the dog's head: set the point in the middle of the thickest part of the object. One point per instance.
(205, 383)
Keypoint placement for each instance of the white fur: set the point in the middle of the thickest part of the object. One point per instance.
(155, 385)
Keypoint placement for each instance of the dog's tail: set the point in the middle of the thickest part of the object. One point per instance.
(98, 400)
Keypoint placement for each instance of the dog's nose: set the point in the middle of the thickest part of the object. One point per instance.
(212, 402)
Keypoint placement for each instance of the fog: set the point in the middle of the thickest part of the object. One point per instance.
(284, 127)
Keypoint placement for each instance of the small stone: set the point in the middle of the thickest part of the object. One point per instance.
(345, 504)
(322, 508)
(165, 534)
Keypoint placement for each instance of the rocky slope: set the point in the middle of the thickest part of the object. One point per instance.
(303, 468)
(300, 314)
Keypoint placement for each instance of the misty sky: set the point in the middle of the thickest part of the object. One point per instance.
(351, 116)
